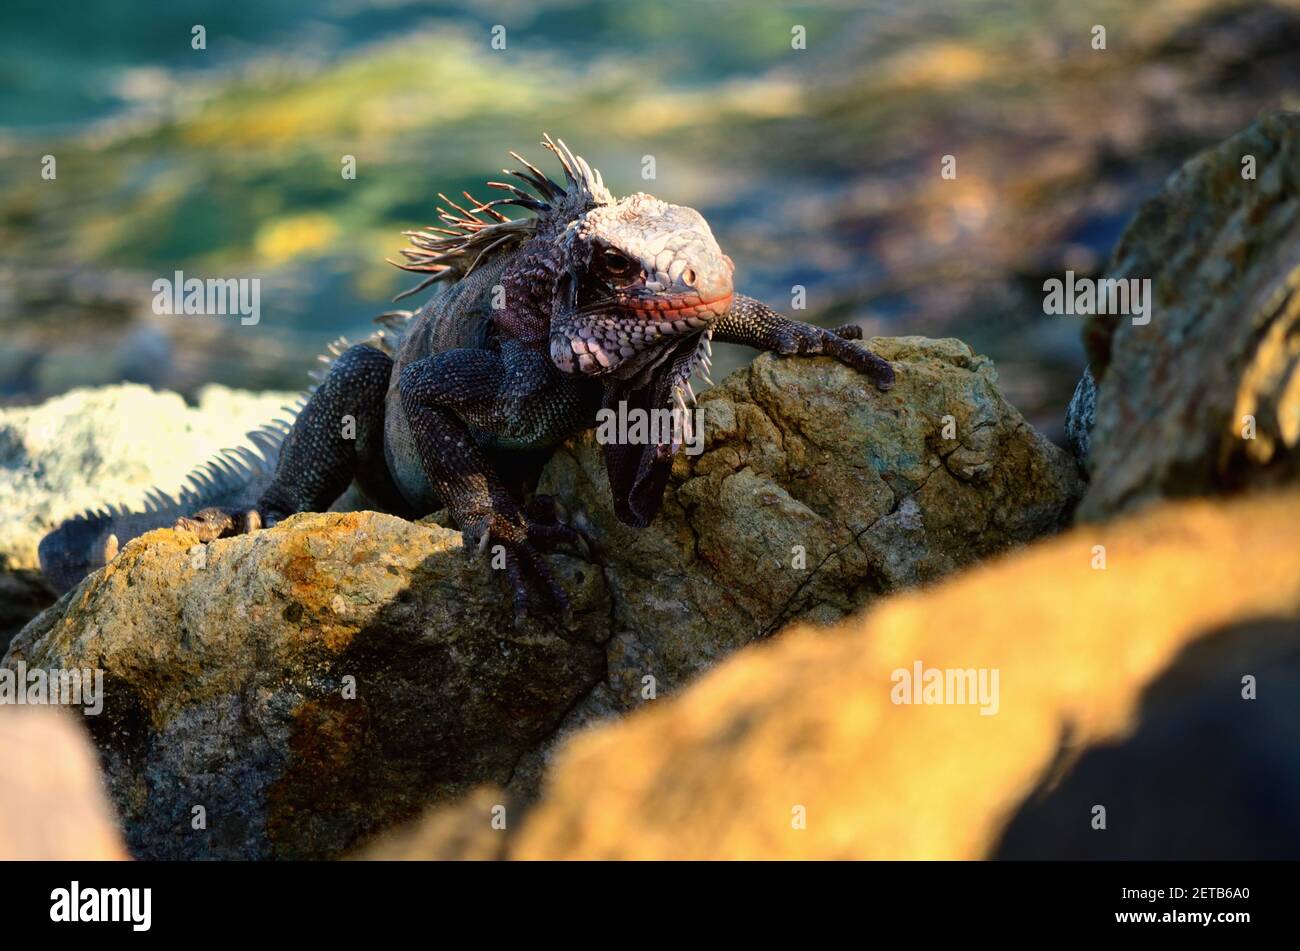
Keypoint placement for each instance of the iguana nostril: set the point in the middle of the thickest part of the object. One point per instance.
(688, 276)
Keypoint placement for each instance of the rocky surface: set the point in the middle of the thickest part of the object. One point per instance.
(309, 684)
(52, 802)
(92, 447)
(227, 667)
(1127, 681)
(805, 461)
(476, 827)
(1206, 396)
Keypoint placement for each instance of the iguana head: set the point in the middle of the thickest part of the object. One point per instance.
(640, 277)
(642, 285)
(626, 292)
(627, 286)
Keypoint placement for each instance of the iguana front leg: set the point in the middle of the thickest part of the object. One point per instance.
(754, 324)
(338, 437)
(452, 400)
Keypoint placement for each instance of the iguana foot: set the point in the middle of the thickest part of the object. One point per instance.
(514, 542)
(796, 339)
(754, 324)
(213, 523)
(549, 517)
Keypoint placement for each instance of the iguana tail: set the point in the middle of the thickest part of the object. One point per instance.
(234, 479)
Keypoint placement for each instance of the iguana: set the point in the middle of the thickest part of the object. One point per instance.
(584, 303)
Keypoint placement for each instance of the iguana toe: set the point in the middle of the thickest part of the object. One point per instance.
(528, 573)
(212, 523)
(860, 359)
(513, 541)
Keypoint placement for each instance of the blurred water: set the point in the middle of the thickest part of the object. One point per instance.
(818, 167)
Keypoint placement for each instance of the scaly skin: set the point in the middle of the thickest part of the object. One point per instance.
(541, 322)
(756, 325)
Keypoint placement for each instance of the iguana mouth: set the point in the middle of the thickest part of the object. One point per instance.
(679, 307)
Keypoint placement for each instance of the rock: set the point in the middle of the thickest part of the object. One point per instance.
(1206, 396)
(474, 828)
(52, 805)
(92, 447)
(1080, 416)
(311, 684)
(1194, 598)
(226, 665)
(804, 460)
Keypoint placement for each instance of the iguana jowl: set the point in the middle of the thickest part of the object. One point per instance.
(540, 321)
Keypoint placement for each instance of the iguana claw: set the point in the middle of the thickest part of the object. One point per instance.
(796, 339)
(212, 523)
(515, 542)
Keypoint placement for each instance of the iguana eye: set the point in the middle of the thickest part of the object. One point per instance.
(616, 264)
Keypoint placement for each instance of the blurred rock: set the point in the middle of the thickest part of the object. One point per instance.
(1205, 775)
(1206, 396)
(52, 803)
(1195, 597)
(474, 828)
(227, 666)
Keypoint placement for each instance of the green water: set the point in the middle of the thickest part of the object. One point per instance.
(818, 167)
